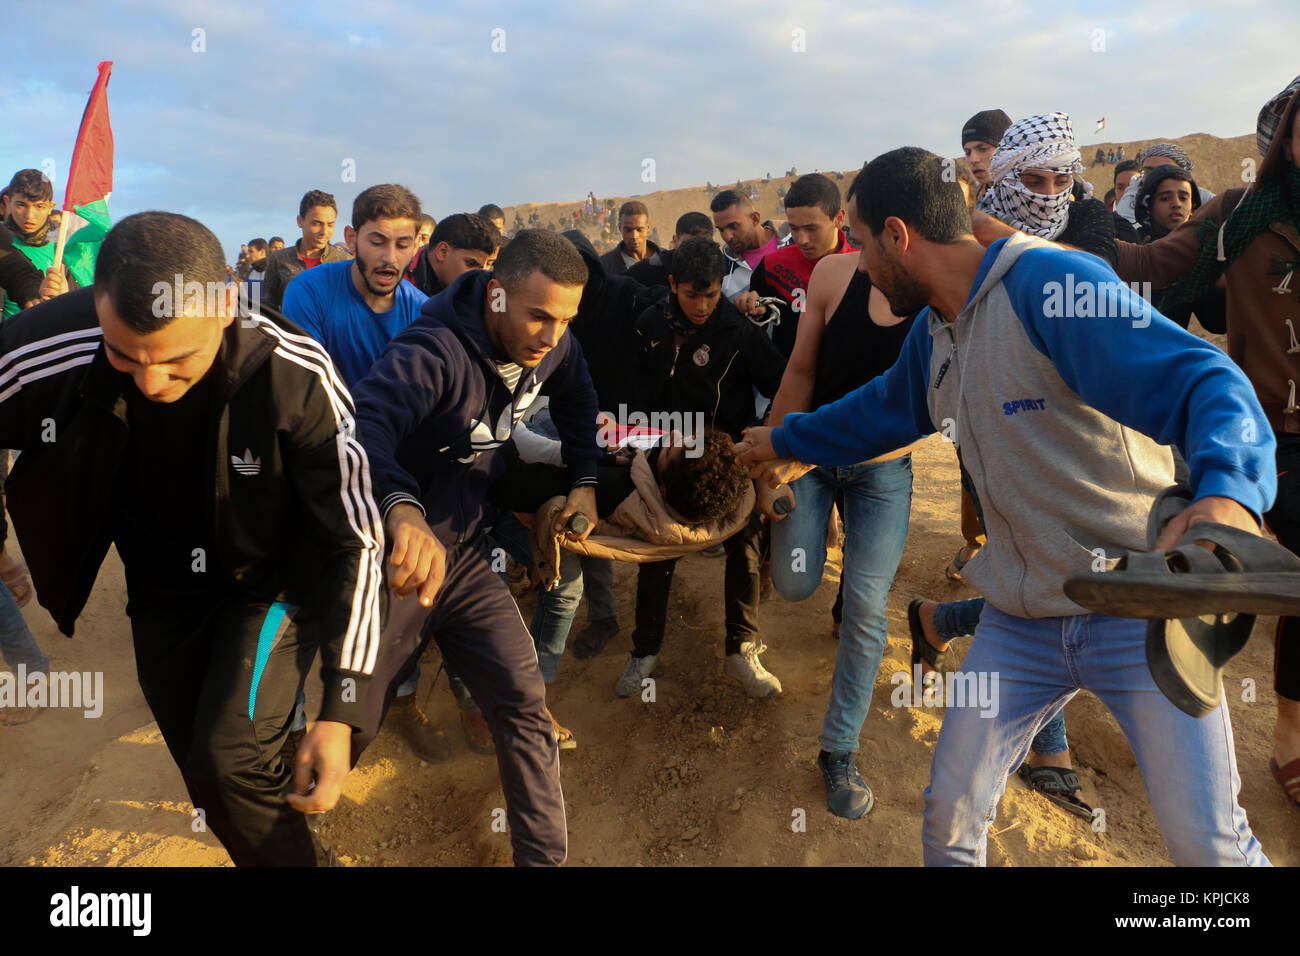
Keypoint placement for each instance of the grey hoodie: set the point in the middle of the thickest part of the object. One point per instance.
(1060, 415)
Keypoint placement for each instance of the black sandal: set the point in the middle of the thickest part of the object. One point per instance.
(1244, 574)
(1191, 596)
(1058, 784)
(922, 649)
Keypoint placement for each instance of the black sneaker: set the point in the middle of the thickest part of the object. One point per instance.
(847, 794)
(591, 640)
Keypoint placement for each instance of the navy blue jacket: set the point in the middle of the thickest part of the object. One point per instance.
(433, 412)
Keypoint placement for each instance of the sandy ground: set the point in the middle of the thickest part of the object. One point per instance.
(701, 776)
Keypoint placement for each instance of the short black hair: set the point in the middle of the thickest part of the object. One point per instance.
(707, 487)
(316, 198)
(728, 198)
(694, 224)
(537, 250)
(30, 184)
(814, 189)
(274, 239)
(912, 184)
(697, 261)
(633, 207)
(259, 244)
(152, 249)
(467, 230)
(385, 201)
(1125, 167)
(426, 220)
(492, 211)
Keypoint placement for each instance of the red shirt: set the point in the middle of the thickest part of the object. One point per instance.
(310, 263)
(788, 269)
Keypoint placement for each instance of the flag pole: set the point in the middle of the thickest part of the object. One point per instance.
(58, 248)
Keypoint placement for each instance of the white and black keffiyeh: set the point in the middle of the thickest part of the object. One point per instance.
(1044, 142)
(1169, 151)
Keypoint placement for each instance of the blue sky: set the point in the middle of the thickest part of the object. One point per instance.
(282, 96)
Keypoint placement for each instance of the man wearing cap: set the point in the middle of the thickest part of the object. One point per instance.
(979, 138)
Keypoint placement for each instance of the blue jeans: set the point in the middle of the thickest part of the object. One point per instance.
(555, 612)
(1188, 765)
(16, 642)
(959, 619)
(877, 500)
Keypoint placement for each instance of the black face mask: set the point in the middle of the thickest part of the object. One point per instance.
(37, 237)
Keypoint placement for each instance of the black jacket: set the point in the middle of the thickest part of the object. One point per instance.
(714, 371)
(423, 276)
(1091, 227)
(19, 279)
(605, 325)
(613, 260)
(650, 273)
(301, 527)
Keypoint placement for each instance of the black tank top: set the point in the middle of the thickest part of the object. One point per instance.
(854, 349)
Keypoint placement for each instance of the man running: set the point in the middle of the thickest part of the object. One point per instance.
(847, 337)
(1062, 473)
(435, 411)
(221, 458)
(353, 308)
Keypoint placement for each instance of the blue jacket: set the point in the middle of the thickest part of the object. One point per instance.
(433, 412)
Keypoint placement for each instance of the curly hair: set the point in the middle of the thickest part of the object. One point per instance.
(709, 486)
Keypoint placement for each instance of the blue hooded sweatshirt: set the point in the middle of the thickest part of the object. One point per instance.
(434, 411)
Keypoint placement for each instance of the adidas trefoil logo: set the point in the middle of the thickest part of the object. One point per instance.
(248, 465)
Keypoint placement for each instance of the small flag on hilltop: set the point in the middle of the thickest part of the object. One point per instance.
(90, 174)
(1101, 125)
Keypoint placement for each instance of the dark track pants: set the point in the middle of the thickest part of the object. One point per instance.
(222, 685)
(485, 642)
(740, 590)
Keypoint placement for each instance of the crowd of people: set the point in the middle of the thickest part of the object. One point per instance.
(345, 451)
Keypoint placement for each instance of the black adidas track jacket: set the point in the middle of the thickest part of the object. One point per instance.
(293, 517)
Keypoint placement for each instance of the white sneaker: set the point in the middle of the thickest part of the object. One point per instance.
(749, 670)
(637, 670)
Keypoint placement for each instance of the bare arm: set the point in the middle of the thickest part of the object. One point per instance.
(826, 286)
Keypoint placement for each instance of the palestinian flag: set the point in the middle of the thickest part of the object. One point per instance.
(1101, 125)
(90, 175)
